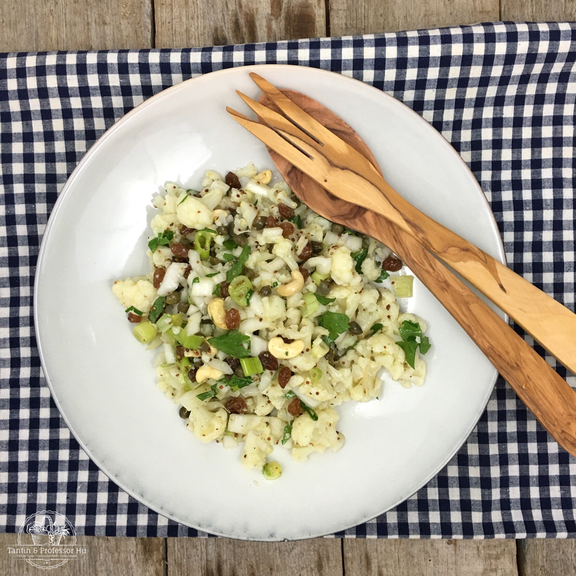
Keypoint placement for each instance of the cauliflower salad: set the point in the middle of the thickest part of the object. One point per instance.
(267, 316)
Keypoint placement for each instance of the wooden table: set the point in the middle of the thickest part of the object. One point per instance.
(28, 25)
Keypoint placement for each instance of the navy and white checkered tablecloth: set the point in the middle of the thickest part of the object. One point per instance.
(503, 94)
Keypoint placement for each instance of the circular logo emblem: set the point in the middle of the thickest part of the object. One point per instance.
(49, 538)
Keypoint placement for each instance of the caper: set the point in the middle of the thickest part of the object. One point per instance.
(251, 274)
(317, 247)
(265, 291)
(213, 260)
(239, 371)
(324, 287)
(337, 228)
(204, 347)
(173, 298)
(206, 321)
(184, 413)
(240, 239)
(222, 230)
(259, 223)
(354, 328)
(183, 307)
(230, 228)
(333, 356)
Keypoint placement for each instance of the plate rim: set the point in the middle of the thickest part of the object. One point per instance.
(64, 195)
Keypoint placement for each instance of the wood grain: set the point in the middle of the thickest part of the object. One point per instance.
(548, 396)
(547, 558)
(75, 24)
(104, 557)
(369, 16)
(429, 558)
(224, 557)
(236, 22)
(538, 10)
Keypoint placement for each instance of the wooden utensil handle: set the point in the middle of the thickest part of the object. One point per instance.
(543, 391)
(546, 320)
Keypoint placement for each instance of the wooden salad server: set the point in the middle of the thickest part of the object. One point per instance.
(543, 391)
(346, 173)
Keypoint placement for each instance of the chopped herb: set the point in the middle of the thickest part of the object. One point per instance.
(185, 197)
(211, 275)
(359, 257)
(157, 308)
(256, 203)
(228, 257)
(232, 343)
(412, 339)
(196, 280)
(383, 275)
(375, 328)
(163, 239)
(296, 220)
(248, 296)
(290, 394)
(216, 291)
(274, 284)
(237, 267)
(135, 310)
(209, 393)
(323, 299)
(237, 382)
(287, 432)
(351, 347)
(335, 323)
(230, 244)
(309, 411)
(350, 232)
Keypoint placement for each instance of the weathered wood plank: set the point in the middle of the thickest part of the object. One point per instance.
(75, 24)
(538, 10)
(189, 23)
(368, 16)
(224, 557)
(547, 557)
(429, 557)
(104, 557)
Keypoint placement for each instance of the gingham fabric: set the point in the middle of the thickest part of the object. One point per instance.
(503, 94)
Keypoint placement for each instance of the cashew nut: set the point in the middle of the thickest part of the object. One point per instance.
(264, 177)
(279, 349)
(292, 287)
(217, 312)
(205, 372)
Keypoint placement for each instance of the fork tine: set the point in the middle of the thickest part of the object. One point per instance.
(333, 146)
(275, 120)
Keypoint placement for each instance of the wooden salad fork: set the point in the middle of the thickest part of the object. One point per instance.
(349, 175)
(545, 393)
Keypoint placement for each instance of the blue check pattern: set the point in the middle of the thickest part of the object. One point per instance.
(503, 94)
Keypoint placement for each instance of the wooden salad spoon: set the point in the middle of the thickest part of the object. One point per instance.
(351, 176)
(543, 391)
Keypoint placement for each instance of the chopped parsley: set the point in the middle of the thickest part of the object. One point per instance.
(237, 382)
(290, 394)
(209, 393)
(287, 432)
(216, 291)
(236, 268)
(412, 339)
(185, 198)
(383, 275)
(232, 343)
(157, 309)
(196, 280)
(309, 411)
(212, 275)
(375, 328)
(335, 323)
(323, 300)
(228, 256)
(135, 310)
(230, 244)
(296, 220)
(359, 257)
(163, 239)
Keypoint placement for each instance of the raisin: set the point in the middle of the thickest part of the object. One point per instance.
(283, 376)
(159, 274)
(268, 361)
(232, 319)
(224, 289)
(236, 405)
(271, 222)
(185, 230)
(192, 373)
(234, 363)
(260, 222)
(232, 181)
(179, 353)
(392, 263)
(287, 229)
(306, 252)
(294, 408)
(134, 318)
(187, 271)
(285, 211)
(179, 250)
(305, 272)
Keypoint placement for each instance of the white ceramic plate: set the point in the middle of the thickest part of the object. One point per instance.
(103, 381)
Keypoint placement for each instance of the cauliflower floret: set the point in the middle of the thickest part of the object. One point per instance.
(193, 213)
(343, 272)
(162, 222)
(283, 249)
(207, 425)
(260, 443)
(274, 308)
(140, 294)
(315, 436)
(370, 269)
